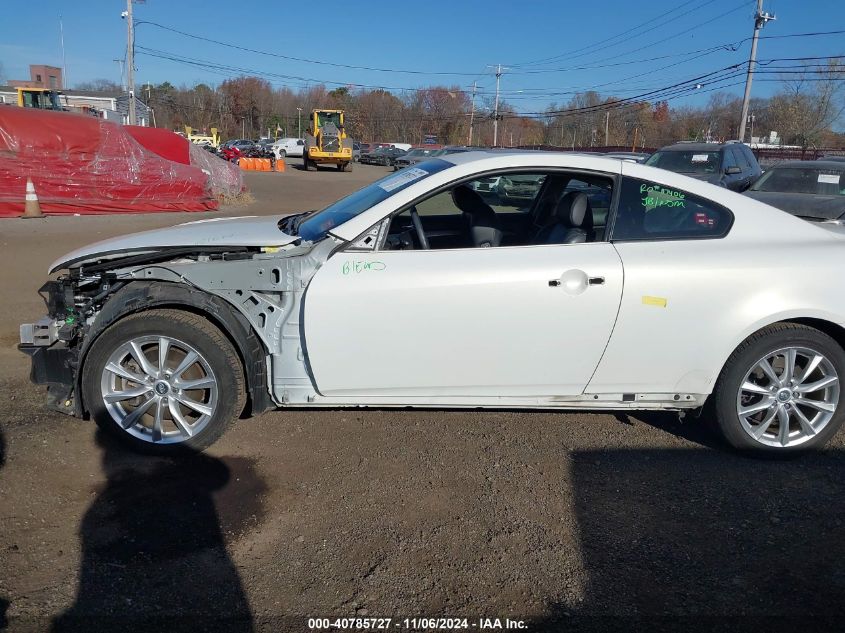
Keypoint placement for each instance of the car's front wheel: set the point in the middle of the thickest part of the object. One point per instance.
(780, 391)
(164, 381)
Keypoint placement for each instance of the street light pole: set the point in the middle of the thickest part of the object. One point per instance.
(760, 20)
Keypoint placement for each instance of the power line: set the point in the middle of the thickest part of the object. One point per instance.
(600, 43)
(665, 39)
(302, 59)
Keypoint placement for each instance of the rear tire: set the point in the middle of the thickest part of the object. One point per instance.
(140, 400)
(767, 401)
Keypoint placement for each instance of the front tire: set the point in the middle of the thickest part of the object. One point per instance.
(780, 392)
(164, 382)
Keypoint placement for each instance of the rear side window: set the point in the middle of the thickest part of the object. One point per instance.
(651, 211)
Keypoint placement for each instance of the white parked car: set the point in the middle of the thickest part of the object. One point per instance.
(288, 147)
(617, 286)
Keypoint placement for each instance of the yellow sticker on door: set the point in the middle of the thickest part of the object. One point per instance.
(660, 302)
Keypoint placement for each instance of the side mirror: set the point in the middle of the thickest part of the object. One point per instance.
(732, 170)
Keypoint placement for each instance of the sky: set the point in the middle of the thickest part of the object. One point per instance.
(549, 49)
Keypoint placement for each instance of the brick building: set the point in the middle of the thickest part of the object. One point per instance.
(41, 76)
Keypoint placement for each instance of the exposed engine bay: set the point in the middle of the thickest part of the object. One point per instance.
(253, 294)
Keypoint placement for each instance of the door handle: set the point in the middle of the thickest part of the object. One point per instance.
(575, 281)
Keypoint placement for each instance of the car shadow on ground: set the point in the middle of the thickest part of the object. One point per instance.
(695, 427)
(154, 553)
(697, 539)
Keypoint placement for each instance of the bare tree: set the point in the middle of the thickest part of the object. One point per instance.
(811, 101)
(99, 85)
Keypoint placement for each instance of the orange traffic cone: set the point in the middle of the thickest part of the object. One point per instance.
(31, 209)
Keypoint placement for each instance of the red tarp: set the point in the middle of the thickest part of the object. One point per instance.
(165, 143)
(225, 179)
(81, 164)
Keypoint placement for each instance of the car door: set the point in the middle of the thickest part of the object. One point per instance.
(519, 321)
(682, 290)
(747, 176)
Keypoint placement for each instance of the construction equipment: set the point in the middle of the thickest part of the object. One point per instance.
(203, 139)
(326, 142)
(40, 98)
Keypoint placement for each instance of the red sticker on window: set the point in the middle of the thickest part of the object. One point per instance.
(704, 220)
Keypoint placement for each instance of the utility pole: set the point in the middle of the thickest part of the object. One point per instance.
(130, 60)
(299, 121)
(606, 128)
(471, 115)
(760, 20)
(496, 109)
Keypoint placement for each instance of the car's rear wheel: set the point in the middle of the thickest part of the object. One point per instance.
(164, 381)
(780, 391)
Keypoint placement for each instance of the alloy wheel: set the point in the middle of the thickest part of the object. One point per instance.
(788, 396)
(159, 389)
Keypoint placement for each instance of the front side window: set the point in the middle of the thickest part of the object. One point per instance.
(520, 208)
(651, 211)
(741, 158)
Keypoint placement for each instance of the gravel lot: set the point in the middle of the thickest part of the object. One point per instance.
(563, 521)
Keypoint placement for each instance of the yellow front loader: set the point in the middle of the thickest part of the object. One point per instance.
(40, 98)
(326, 141)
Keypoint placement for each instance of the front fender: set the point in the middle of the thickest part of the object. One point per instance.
(138, 296)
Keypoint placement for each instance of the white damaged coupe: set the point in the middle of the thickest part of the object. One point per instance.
(482, 279)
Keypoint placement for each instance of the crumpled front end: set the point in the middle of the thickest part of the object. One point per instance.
(53, 342)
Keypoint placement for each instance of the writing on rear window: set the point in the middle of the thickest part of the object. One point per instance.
(654, 196)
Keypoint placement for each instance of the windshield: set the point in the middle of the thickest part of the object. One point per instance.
(813, 180)
(686, 161)
(316, 226)
(328, 117)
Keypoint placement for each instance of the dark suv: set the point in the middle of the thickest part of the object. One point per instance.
(730, 164)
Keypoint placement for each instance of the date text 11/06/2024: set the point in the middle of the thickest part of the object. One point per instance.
(416, 624)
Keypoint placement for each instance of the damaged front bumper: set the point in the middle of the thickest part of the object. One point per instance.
(55, 367)
(50, 345)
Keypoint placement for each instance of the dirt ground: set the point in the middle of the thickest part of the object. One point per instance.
(560, 521)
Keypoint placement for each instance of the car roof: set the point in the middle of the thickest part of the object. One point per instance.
(817, 164)
(695, 147)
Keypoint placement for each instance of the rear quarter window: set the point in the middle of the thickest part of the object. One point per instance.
(651, 211)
